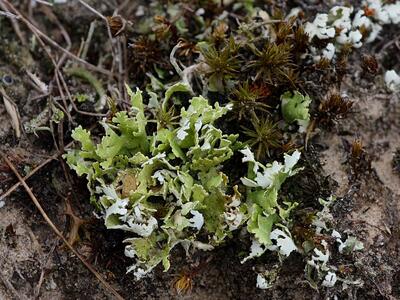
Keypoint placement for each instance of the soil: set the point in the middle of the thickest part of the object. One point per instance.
(35, 265)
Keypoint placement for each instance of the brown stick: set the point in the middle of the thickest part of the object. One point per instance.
(11, 288)
(56, 231)
(44, 163)
(55, 44)
(116, 53)
(15, 25)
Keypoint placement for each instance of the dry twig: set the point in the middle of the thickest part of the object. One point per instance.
(118, 56)
(58, 232)
(54, 44)
(35, 170)
(11, 288)
(13, 19)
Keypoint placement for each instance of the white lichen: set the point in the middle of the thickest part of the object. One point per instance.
(392, 80)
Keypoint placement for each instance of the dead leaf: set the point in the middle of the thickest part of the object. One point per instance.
(12, 111)
(75, 224)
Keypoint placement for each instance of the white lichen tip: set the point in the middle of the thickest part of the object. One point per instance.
(248, 155)
(392, 81)
(329, 51)
(262, 283)
(319, 28)
(284, 242)
(330, 279)
(197, 221)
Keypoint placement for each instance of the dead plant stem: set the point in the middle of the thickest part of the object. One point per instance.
(55, 229)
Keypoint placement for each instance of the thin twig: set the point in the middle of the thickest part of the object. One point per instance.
(115, 47)
(44, 2)
(32, 27)
(58, 75)
(8, 14)
(11, 288)
(39, 257)
(42, 273)
(88, 40)
(39, 97)
(39, 285)
(97, 13)
(73, 102)
(56, 72)
(125, 63)
(49, 13)
(100, 15)
(35, 170)
(13, 19)
(55, 229)
(382, 51)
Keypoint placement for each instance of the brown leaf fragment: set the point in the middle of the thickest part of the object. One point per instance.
(12, 111)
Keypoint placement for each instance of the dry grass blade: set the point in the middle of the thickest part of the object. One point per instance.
(54, 44)
(115, 25)
(38, 83)
(58, 75)
(12, 111)
(86, 43)
(58, 232)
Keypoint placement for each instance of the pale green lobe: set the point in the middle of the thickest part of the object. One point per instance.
(149, 182)
(295, 107)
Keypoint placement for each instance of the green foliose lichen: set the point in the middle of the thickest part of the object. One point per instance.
(167, 187)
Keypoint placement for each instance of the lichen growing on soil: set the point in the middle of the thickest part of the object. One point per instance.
(321, 94)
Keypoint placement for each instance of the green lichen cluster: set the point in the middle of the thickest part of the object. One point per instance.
(167, 185)
(205, 150)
